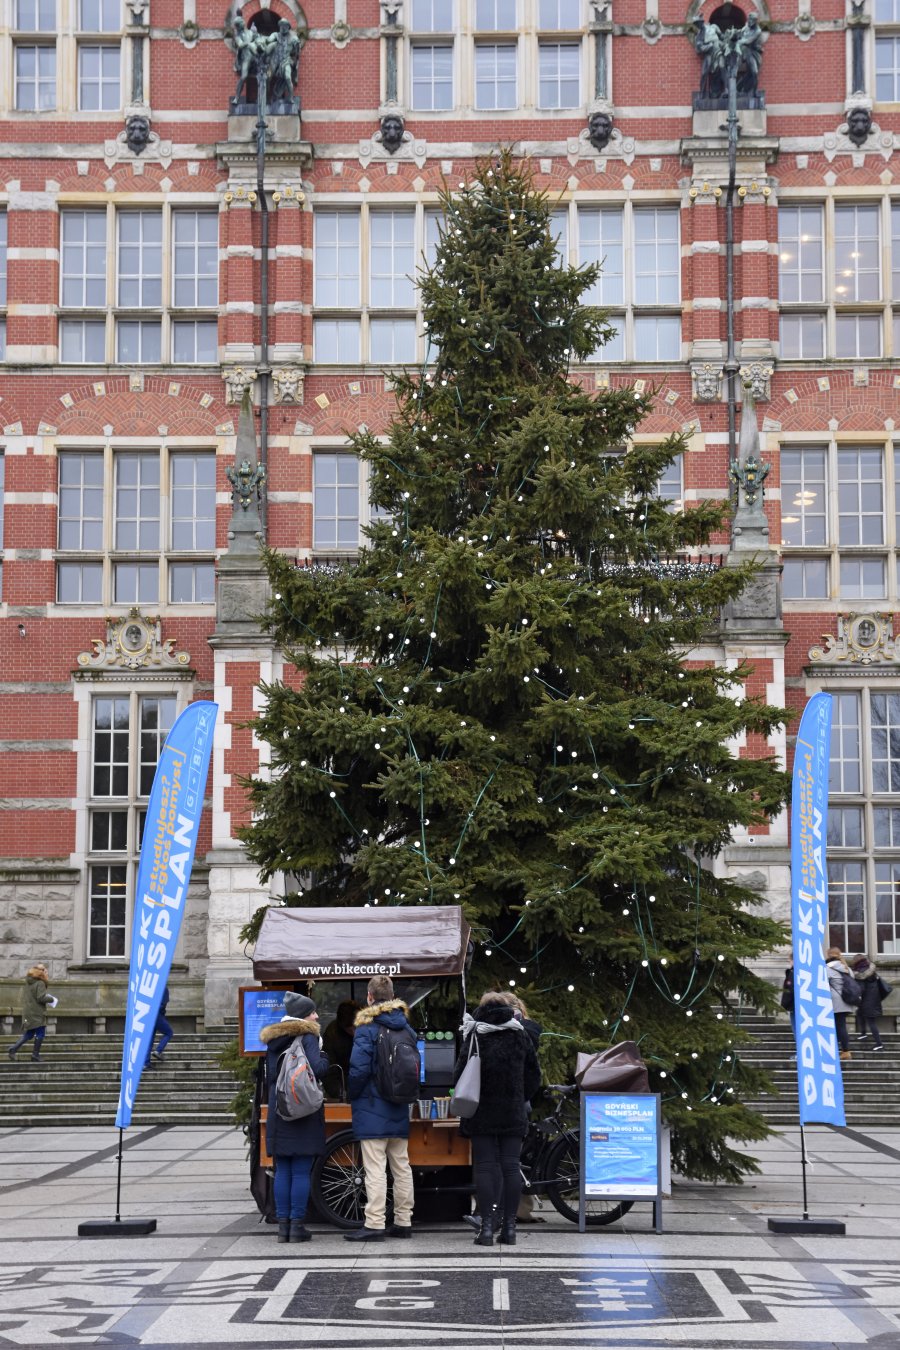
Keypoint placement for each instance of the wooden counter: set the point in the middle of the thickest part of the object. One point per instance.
(432, 1143)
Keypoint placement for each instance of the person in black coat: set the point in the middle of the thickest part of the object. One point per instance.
(869, 1010)
(510, 1077)
(294, 1144)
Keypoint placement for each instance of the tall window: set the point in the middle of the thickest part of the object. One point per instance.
(341, 505)
(35, 76)
(136, 527)
(127, 735)
(839, 539)
(864, 822)
(834, 308)
(887, 51)
(99, 61)
(431, 55)
(365, 290)
(151, 299)
(559, 62)
(640, 283)
(495, 75)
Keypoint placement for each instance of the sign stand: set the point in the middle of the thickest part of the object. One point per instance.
(620, 1151)
(835, 1227)
(117, 1227)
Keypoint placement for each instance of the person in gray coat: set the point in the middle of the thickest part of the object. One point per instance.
(294, 1144)
(837, 968)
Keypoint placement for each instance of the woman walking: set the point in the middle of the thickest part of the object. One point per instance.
(510, 1077)
(866, 975)
(35, 1002)
(294, 1144)
(837, 968)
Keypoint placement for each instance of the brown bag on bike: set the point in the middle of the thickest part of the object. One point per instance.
(618, 1069)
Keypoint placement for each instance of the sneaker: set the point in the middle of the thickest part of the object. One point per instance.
(863, 1037)
(879, 1046)
(157, 1055)
(365, 1235)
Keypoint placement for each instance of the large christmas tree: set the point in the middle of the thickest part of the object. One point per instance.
(499, 704)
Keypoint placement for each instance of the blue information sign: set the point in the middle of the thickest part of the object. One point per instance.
(258, 1009)
(620, 1147)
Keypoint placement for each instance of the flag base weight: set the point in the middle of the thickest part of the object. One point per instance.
(834, 1227)
(116, 1228)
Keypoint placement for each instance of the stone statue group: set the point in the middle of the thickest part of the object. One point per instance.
(277, 55)
(722, 50)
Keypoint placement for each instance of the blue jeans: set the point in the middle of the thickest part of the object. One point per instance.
(292, 1187)
(163, 1026)
(37, 1033)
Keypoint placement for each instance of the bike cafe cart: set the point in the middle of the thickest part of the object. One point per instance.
(425, 950)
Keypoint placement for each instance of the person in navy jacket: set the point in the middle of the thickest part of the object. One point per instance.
(294, 1144)
(382, 1127)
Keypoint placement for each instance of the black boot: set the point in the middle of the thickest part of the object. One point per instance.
(298, 1232)
(486, 1237)
(284, 1230)
(508, 1232)
(35, 1056)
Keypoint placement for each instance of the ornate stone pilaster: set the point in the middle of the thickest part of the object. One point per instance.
(244, 656)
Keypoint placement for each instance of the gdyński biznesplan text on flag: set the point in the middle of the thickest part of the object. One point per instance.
(819, 1080)
(164, 871)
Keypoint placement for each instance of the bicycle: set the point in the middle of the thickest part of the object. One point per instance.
(551, 1166)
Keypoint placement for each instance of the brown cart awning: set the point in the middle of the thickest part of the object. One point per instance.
(355, 944)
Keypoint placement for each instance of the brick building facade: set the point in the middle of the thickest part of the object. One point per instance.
(130, 236)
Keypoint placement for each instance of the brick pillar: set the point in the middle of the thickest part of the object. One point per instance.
(33, 279)
(290, 279)
(237, 276)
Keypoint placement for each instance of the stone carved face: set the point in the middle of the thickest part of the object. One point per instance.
(392, 128)
(137, 133)
(600, 127)
(859, 124)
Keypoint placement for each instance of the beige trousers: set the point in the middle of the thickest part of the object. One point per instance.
(375, 1153)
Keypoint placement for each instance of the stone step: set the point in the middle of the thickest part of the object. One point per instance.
(76, 1082)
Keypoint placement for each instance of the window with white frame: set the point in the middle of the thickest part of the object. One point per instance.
(100, 54)
(153, 298)
(495, 55)
(835, 308)
(638, 248)
(365, 293)
(136, 527)
(34, 55)
(863, 843)
(128, 731)
(496, 75)
(431, 55)
(839, 539)
(887, 50)
(341, 505)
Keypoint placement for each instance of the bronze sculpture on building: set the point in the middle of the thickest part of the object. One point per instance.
(271, 58)
(720, 49)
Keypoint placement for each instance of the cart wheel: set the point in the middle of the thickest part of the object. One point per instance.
(563, 1170)
(338, 1183)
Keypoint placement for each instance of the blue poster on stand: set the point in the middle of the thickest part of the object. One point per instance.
(259, 1008)
(620, 1135)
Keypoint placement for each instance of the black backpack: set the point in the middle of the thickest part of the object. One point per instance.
(397, 1065)
(850, 989)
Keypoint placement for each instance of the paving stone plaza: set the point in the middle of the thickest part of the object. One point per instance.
(212, 1275)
